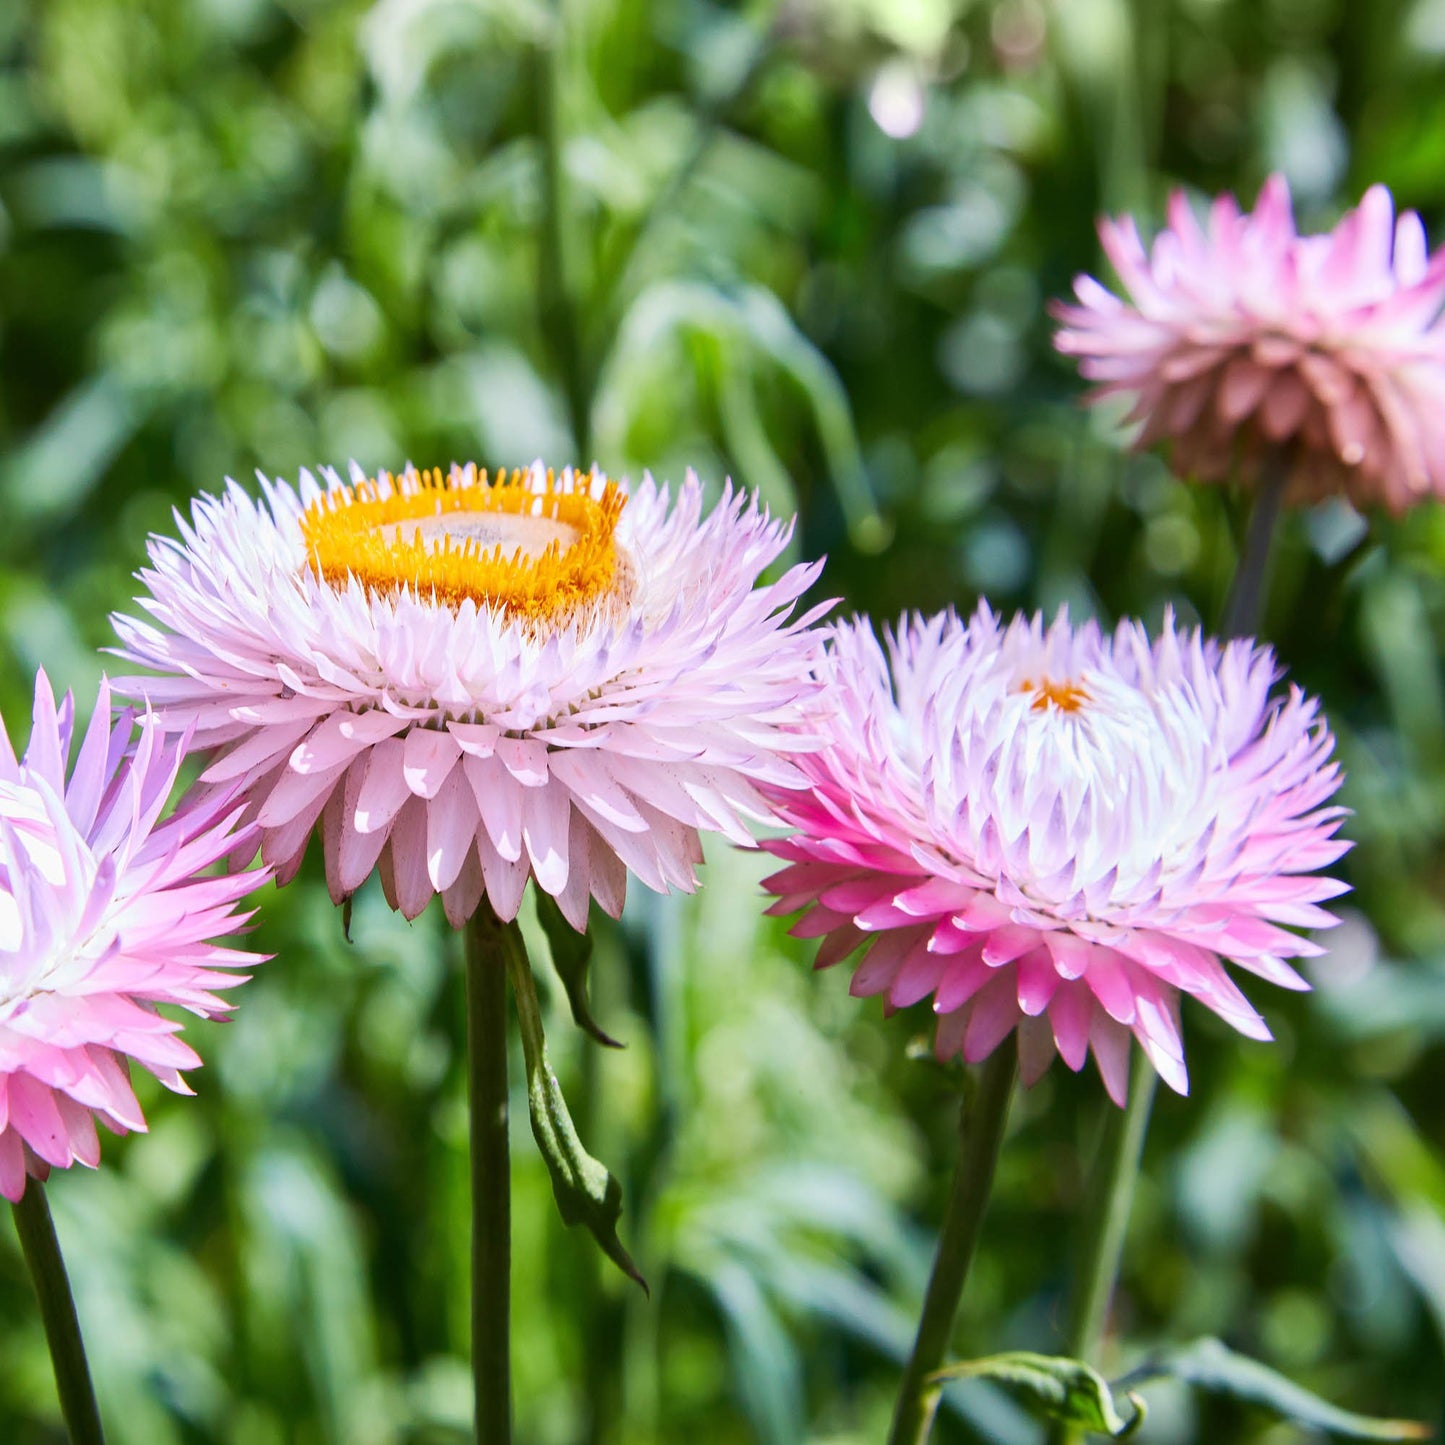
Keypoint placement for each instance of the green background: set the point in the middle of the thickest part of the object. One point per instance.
(808, 245)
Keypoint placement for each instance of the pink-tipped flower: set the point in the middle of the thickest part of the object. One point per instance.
(468, 683)
(1247, 346)
(103, 916)
(1060, 832)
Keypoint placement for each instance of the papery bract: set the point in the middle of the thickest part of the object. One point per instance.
(104, 914)
(1244, 345)
(1059, 831)
(470, 683)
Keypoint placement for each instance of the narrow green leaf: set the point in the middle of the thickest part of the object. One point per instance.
(585, 1190)
(1063, 1389)
(571, 957)
(765, 1356)
(1211, 1365)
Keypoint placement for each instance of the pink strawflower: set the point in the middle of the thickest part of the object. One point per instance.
(468, 683)
(1247, 345)
(1060, 832)
(102, 917)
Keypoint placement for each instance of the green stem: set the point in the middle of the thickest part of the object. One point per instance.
(981, 1123)
(488, 944)
(1111, 1186)
(600, 1315)
(557, 313)
(1106, 1219)
(1244, 604)
(57, 1310)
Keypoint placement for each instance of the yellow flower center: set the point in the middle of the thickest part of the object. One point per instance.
(537, 550)
(1066, 696)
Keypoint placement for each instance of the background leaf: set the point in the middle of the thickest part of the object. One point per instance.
(811, 245)
(1065, 1390)
(1211, 1365)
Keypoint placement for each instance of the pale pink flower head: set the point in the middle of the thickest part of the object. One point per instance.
(468, 683)
(1247, 346)
(104, 914)
(1060, 831)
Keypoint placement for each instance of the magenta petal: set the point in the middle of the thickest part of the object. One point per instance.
(525, 759)
(1110, 1044)
(1008, 943)
(1098, 818)
(35, 1116)
(882, 962)
(428, 756)
(463, 895)
(407, 852)
(1070, 1015)
(992, 1017)
(505, 880)
(575, 896)
(1038, 980)
(963, 979)
(608, 875)
(545, 823)
(452, 825)
(384, 788)
(12, 1166)
(1036, 1050)
(1109, 983)
(499, 802)
(108, 916)
(340, 737)
(917, 977)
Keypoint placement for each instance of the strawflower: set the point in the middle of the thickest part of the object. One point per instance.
(1059, 832)
(104, 914)
(1251, 349)
(470, 682)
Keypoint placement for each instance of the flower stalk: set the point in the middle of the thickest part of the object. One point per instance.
(1211, 337)
(57, 1310)
(488, 943)
(982, 1121)
(1116, 1170)
(1106, 1220)
(1243, 606)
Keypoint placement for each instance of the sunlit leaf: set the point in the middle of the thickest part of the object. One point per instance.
(586, 1191)
(1063, 1389)
(571, 957)
(765, 1359)
(1210, 1365)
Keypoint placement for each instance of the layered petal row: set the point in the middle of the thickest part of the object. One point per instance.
(1059, 832)
(105, 913)
(1246, 346)
(452, 742)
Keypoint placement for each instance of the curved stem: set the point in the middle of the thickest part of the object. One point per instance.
(57, 1310)
(981, 1124)
(488, 941)
(1106, 1216)
(1245, 602)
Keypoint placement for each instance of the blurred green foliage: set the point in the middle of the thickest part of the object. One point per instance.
(808, 244)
